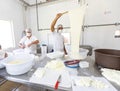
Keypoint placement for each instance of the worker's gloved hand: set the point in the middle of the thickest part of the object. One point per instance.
(22, 46)
(29, 44)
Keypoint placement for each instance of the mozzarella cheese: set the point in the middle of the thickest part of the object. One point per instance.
(55, 64)
(76, 21)
(89, 82)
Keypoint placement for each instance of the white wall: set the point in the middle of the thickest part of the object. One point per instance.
(102, 12)
(98, 12)
(13, 11)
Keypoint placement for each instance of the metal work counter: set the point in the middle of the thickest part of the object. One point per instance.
(24, 79)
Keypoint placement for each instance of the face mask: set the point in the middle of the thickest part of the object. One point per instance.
(60, 31)
(28, 34)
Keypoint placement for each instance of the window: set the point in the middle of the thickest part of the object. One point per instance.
(6, 34)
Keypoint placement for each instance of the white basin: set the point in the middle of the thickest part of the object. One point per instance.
(81, 55)
(18, 64)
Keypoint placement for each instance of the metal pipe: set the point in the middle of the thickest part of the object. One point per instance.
(37, 16)
(86, 26)
(55, 28)
(114, 24)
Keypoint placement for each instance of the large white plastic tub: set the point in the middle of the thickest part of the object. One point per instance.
(82, 52)
(18, 64)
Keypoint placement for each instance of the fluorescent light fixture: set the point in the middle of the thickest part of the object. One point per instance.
(117, 34)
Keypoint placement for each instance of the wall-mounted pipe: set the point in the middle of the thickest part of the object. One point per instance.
(99, 25)
(37, 16)
(87, 26)
(55, 28)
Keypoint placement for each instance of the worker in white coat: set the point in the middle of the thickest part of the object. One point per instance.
(29, 42)
(3, 54)
(58, 39)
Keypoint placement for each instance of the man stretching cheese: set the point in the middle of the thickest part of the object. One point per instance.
(58, 39)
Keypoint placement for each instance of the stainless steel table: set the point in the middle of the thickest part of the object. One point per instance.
(24, 79)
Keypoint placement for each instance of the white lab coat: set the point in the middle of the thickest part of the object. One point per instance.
(2, 54)
(25, 41)
(58, 42)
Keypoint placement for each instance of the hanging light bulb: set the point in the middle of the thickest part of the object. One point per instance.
(117, 34)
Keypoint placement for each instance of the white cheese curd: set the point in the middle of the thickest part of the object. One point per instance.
(55, 65)
(89, 82)
(85, 81)
(98, 84)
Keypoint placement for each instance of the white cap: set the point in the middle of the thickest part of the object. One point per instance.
(28, 30)
(60, 25)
